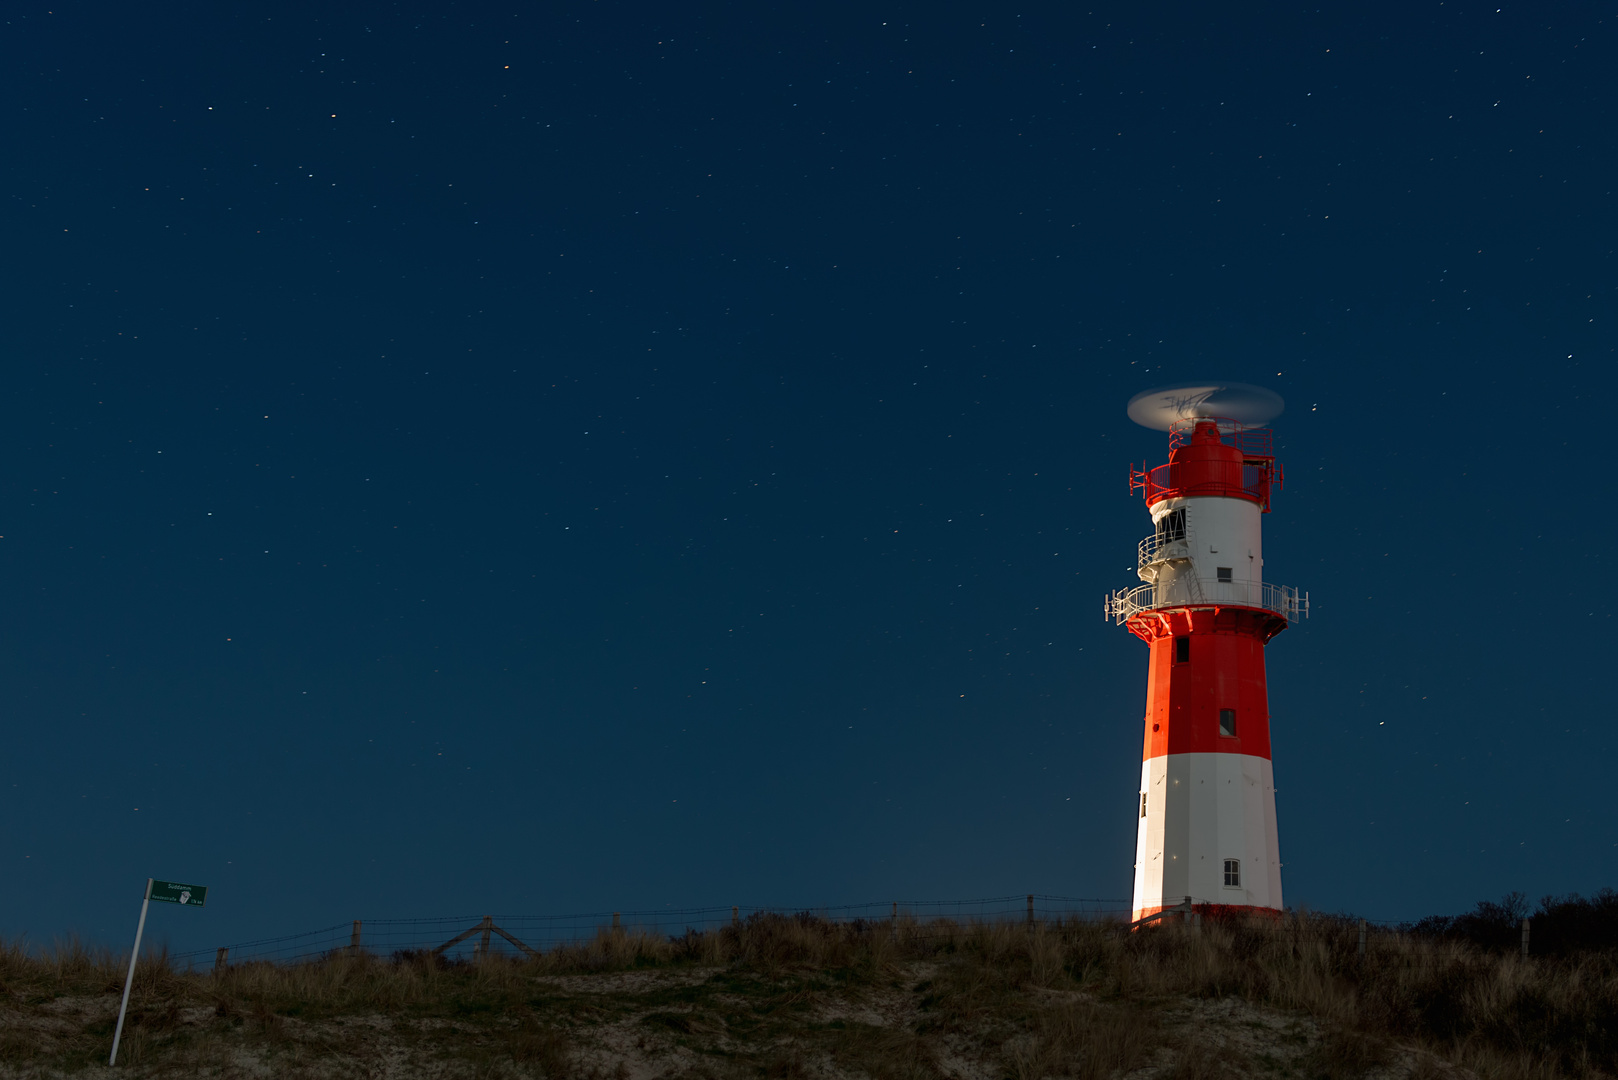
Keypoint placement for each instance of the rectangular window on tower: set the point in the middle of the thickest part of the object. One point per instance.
(1227, 723)
(1223, 573)
(1233, 873)
(1182, 650)
(1171, 526)
(1143, 804)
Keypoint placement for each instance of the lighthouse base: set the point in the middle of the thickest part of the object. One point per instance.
(1216, 912)
(1207, 831)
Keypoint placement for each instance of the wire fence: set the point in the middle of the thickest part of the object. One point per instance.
(463, 936)
(1566, 926)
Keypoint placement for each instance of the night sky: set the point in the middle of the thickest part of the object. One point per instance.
(542, 458)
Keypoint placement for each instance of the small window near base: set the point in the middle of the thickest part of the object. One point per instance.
(1233, 873)
(1182, 650)
(1143, 804)
(1227, 723)
(1224, 572)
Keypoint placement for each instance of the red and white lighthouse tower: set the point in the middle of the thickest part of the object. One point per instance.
(1207, 791)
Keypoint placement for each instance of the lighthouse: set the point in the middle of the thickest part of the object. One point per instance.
(1206, 827)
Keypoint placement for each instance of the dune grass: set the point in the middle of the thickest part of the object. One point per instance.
(797, 996)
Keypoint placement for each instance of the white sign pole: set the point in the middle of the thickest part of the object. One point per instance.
(129, 980)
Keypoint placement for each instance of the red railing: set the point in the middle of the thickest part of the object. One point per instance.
(1255, 478)
(1252, 442)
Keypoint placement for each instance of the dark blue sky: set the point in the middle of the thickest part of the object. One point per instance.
(473, 458)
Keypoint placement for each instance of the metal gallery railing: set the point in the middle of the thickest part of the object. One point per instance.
(1188, 591)
(1159, 548)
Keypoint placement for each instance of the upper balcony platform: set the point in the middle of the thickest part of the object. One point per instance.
(1210, 456)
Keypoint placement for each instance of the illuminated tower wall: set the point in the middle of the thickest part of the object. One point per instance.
(1207, 825)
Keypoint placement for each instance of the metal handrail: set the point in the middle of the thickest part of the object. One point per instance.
(1256, 478)
(1284, 600)
(1148, 551)
(1252, 441)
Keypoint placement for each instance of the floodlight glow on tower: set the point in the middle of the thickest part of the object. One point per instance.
(1207, 793)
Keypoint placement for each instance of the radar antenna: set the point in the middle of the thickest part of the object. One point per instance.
(1236, 406)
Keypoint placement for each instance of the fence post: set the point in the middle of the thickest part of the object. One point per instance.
(616, 925)
(1187, 917)
(220, 958)
(1362, 941)
(1525, 937)
(488, 925)
(1030, 911)
(735, 915)
(354, 939)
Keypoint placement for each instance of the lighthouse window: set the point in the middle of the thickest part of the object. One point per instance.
(1233, 873)
(1227, 723)
(1143, 804)
(1171, 526)
(1223, 572)
(1182, 650)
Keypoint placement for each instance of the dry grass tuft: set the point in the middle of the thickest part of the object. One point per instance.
(1084, 1040)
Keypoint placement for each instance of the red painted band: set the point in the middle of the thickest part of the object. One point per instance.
(1205, 661)
(1214, 912)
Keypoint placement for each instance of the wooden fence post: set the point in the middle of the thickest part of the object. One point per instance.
(735, 915)
(486, 927)
(354, 939)
(1362, 941)
(221, 957)
(1030, 911)
(1525, 937)
(616, 925)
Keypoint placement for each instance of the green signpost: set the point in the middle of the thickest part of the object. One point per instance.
(170, 892)
(173, 892)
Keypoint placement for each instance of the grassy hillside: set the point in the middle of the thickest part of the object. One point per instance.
(788, 997)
